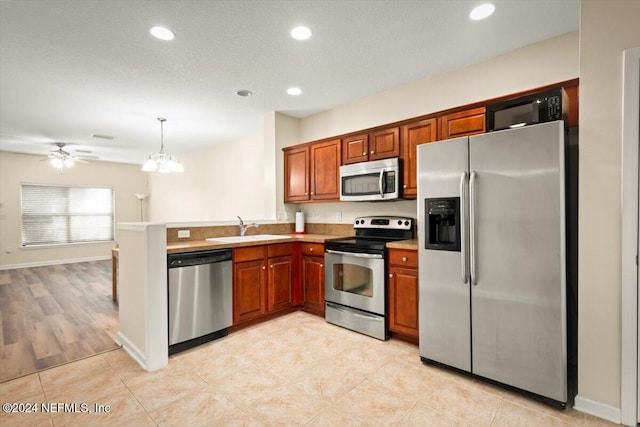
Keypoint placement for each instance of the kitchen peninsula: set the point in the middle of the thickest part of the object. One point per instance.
(143, 274)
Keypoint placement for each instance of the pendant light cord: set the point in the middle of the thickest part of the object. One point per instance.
(162, 120)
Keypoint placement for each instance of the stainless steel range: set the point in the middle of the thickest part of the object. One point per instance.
(355, 272)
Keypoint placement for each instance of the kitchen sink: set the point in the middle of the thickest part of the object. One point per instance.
(253, 238)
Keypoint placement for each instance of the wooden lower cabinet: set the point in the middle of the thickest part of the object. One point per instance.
(249, 290)
(312, 277)
(258, 290)
(280, 283)
(402, 288)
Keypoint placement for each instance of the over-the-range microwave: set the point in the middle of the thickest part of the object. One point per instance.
(377, 180)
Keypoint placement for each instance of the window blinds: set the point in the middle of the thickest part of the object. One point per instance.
(59, 214)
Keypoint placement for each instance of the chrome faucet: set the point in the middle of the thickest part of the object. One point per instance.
(243, 228)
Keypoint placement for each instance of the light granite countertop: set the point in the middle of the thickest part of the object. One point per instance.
(203, 245)
(404, 244)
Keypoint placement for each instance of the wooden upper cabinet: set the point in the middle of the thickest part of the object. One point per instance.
(462, 123)
(296, 174)
(384, 144)
(355, 149)
(414, 134)
(573, 95)
(325, 169)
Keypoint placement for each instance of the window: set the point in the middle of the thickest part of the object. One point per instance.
(59, 215)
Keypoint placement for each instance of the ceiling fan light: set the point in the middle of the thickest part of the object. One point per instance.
(56, 162)
(68, 162)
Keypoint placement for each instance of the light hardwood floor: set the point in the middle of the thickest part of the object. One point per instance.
(53, 315)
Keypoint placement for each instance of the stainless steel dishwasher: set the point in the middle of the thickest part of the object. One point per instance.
(200, 297)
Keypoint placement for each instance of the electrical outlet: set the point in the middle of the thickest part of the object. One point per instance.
(338, 216)
(314, 215)
(184, 234)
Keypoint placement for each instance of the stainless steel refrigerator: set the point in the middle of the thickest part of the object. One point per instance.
(492, 257)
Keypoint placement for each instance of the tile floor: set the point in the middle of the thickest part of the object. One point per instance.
(294, 370)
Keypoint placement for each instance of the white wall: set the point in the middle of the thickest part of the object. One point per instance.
(126, 180)
(513, 72)
(606, 29)
(219, 183)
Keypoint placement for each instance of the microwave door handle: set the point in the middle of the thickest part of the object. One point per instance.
(380, 182)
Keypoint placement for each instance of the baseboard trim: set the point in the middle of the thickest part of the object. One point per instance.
(131, 349)
(54, 262)
(597, 409)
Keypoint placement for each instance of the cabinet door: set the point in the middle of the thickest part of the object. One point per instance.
(355, 149)
(313, 283)
(325, 169)
(403, 301)
(249, 286)
(280, 283)
(384, 144)
(413, 135)
(462, 123)
(296, 174)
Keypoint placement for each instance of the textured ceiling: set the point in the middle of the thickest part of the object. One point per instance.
(69, 69)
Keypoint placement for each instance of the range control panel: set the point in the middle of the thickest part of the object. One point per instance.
(388, 222)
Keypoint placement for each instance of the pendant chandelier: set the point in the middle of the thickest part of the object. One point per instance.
(161, 161)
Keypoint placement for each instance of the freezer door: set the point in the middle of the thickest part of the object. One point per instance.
(518, 258)
(444, 322)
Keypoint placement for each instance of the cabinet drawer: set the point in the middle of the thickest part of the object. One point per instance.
(248, 253)
(403, 258)
(280, 249)
(316, 249)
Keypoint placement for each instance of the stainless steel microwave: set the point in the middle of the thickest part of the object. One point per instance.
(377, 180)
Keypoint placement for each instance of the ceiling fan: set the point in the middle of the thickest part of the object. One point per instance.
(61, 158)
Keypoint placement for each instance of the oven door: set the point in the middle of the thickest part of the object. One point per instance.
(355, 280)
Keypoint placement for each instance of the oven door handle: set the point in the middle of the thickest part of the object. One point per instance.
(354, 254)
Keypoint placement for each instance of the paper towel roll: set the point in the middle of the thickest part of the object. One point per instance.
(299, 222)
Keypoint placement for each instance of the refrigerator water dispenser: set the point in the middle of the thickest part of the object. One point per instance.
(443, 224)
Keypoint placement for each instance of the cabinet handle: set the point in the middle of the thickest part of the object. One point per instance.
(364, 153)
(310, 249)
(321, 265)
(271, 266)
(373, 152)
(404, 186)
(264, 268)
(306, 194)
(404, 259)
(390, 275)
(312, 193)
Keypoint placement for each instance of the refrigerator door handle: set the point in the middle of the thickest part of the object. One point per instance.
(463, 226)
(472, 231)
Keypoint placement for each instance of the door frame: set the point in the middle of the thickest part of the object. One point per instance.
(629, 402)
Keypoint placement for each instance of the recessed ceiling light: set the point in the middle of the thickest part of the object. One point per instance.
(294, 91)
(300, 33)
(244, 92)
(162, 33)
(482, 11)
